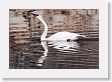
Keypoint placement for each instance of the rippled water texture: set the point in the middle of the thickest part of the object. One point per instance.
(27, 52)
(54, 55)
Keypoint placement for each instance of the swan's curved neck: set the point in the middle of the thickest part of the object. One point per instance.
(43, 36)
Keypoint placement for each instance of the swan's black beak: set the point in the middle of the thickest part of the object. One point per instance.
(34, 14)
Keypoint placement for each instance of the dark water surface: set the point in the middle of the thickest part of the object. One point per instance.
(54, 55)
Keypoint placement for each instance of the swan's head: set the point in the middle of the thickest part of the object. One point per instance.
(38, 16)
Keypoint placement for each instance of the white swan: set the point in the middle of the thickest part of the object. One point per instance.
(65, 36)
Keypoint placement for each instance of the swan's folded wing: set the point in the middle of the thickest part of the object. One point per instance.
(63, 36)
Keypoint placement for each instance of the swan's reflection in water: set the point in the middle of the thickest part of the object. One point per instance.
(62, 46)
(55, 55)
(65, 46)
(42, 58)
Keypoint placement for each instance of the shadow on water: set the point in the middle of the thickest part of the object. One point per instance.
(55, 55)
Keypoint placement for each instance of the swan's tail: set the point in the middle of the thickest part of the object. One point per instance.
(83, 36)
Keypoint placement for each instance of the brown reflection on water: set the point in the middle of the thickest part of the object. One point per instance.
(57, 55)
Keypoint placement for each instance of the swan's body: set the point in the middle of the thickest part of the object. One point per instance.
(63, 36)
(57, 36)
